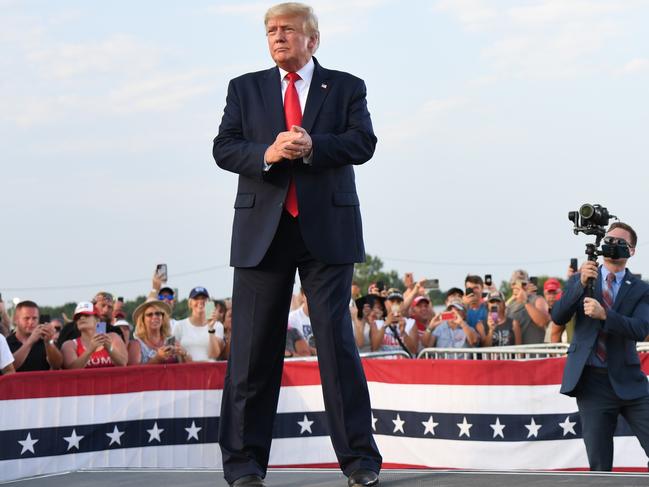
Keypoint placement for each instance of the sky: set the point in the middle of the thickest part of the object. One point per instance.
(494, 119)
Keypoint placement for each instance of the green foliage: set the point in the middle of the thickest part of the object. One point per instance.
(372, 271)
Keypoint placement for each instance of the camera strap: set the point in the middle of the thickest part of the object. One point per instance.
(395, 332)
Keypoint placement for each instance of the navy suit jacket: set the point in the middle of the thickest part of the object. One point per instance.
(337, 119)
(626, 323)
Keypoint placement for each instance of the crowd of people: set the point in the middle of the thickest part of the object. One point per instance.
(99, 334)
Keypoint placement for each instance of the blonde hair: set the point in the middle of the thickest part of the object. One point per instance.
(296, 9)
(140, 329)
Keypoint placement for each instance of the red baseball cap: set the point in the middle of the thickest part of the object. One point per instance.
(552, 284)
(419, 299)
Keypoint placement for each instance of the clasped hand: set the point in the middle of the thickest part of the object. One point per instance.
(292, 144)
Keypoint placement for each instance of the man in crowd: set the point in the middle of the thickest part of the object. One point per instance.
(31, 343)
(528, 308)
(603, 367)
(453, 333)
(422, 312)
(396, 332)
(476, 309)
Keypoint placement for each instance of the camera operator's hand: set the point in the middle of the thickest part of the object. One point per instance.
(588, 269)
(594, 309)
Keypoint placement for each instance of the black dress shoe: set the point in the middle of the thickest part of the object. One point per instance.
(248, 481)
(363, 478)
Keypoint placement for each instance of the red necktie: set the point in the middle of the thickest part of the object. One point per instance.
(607, 297)
(293, 116)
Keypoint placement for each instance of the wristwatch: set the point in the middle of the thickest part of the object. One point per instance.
(211, 330)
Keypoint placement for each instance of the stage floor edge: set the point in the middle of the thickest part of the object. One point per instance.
(330, 477)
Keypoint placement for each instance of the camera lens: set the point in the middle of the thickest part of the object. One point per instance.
(587, 211)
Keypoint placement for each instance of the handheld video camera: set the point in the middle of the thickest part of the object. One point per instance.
(593, 220)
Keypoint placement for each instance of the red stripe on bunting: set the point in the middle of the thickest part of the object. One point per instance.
(208, 376)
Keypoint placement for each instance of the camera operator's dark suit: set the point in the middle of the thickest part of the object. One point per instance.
(619, 388)
(268, 245)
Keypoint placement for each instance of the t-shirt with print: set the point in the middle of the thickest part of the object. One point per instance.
(390, 341)
(300, 320)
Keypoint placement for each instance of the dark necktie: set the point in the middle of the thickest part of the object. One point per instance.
(293, 116)
(607, 297)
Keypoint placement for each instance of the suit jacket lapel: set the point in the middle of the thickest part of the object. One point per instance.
(627, 282)
(318, 91)
(598, 287)
(271, 91)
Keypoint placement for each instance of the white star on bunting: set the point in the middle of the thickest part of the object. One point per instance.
(154, 433)
(533, 429)
(374, 420)
(115, 436)
(498, 428)
(73, 440)
(398, 424)
(192, 431)
(305, 425)
(429, 426)
(28, 444)
(568, 426)
(465, 428)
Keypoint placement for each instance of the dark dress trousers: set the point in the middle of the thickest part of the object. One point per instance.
(619, 388)
(268, 246)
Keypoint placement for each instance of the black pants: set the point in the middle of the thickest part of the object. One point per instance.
(599, 408)
(261, 301)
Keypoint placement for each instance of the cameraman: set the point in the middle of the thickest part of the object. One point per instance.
(603, 367)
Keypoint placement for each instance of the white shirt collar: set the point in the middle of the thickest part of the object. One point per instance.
(305, 72)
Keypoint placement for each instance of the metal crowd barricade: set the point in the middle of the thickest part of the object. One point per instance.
(386, 354)
(511, 352)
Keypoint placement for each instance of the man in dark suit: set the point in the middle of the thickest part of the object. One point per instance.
(293, 134)
(603, 367)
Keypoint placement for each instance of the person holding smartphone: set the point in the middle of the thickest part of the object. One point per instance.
(501, 330)
(199, 334)
(450, 329)
(95, 347)
(32, 343)
(396, 329)
(528, 308)
(152, 341)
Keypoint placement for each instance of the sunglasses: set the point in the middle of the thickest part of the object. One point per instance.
(615, 241)
(159, 314)
(165, 297)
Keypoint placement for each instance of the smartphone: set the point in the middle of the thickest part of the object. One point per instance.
(468, 291)
(209, 308)
(431, 284)
(44, 319)
(101, 328)
(573, 264)
(396, 309)
(448, 316)
(161, 272)
(494, 316)
(170, 341)
(534, 280)
(487, 280)
(120, 299)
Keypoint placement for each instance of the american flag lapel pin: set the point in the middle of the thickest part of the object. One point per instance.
(323, 86)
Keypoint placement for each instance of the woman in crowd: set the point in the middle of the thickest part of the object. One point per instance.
(500, 330)
(153, 342)
(201, 336)
(94, 348)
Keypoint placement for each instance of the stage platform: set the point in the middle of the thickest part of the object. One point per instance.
(327, 478)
